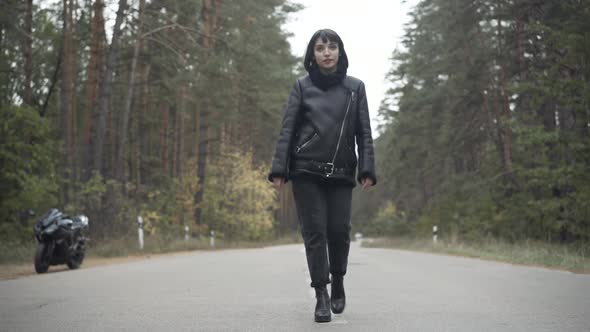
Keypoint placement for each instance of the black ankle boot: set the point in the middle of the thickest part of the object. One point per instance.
(338, 296)
(322, 307)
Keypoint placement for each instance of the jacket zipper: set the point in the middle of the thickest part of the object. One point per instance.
(341, 131)
(305, 144)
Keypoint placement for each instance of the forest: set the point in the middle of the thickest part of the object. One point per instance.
(170, 110)
(488, 124)
(167, 112)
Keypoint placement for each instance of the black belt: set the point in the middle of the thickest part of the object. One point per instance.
(327, 169)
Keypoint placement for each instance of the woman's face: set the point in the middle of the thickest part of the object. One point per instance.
(326, 55)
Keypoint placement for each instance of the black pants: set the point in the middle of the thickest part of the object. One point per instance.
(324, 216)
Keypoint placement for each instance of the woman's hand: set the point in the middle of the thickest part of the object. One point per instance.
(366, 183)
(278, 182)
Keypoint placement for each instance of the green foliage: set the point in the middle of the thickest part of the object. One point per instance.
(238, 203)
(234, 66)
(28, 179)
(490, 133)
(389, 222)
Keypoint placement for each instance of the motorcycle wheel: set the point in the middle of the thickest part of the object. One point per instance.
(76, 260)
(41, 259)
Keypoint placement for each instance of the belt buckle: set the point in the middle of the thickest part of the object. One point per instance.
(331, 169)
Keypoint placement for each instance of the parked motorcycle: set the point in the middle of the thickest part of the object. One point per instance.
(60, 240)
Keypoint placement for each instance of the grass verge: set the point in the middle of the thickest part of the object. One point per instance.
(161, 245)
(17, 259)
(563, 257)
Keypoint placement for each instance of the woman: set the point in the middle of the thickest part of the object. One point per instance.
(326, 111)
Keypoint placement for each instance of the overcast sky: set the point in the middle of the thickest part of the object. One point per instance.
(370, 30)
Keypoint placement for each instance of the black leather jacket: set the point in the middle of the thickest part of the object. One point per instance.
(319, 130)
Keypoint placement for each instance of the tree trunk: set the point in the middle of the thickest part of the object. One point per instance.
(503, 113)
(28, 52)
(209, 21)
(174, 140)
(124, 121)
(142, 110)
(73, 90)
(180, 131)
(66, 86)
(92, 83)
(106, 89)
(164, 115)
(109, 150)
(54, 79)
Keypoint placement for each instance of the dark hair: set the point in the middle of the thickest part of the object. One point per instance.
(326, 35)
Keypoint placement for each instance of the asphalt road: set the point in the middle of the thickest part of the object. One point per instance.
(268, 290)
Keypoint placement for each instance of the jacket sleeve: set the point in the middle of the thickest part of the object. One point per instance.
(280, 161)
(364, 140)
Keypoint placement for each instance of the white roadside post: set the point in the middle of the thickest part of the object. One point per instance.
(186, 232)
(434, 233)
(212, 239)
(140, 231)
